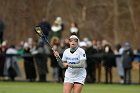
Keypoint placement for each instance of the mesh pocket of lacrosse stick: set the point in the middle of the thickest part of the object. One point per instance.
(38, 30)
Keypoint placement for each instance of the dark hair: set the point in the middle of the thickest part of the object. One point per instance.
(12, 46)
(118, 46)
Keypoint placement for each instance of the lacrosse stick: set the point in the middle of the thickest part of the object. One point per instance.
(44, 37)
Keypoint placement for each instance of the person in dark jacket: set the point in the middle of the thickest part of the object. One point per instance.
(61, 48)
(29, 65)
(41, 62)
(91, 62)
(54, 63)
(45, 27)
(54, 66)
(127, 59)
(99, 61)
(2, 26)
(2, 59)
(108, 61)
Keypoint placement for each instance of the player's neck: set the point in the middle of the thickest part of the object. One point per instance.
(72, 50)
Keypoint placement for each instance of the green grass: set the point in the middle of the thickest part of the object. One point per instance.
(36, 87)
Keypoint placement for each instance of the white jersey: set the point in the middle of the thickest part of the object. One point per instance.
(74, 58)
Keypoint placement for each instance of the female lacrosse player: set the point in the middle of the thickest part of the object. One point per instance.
(74, 60)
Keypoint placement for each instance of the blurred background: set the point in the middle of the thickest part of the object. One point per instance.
(115, 20)
(109, 22)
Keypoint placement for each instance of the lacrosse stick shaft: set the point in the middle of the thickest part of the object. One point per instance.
(58, 58)
(46, 41)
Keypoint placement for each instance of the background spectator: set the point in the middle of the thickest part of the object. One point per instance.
(119, 66)
(99, 61)
(91, 62)
(108, 62)
(57, 28)
(11, 68)
(61, 48)
(29, 66)
(127, 59)
(74, 30)
(20, 50)
(45, 27)
(54, 63)
(41, 61)
(2, 59)
(2, 26)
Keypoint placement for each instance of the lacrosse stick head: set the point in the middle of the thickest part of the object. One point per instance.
(38, 30)
(43, 34)
(42, 31)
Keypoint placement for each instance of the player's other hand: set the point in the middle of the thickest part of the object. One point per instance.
(65, 65)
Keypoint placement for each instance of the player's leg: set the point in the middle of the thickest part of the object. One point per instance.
(67, 87)
(77, 88)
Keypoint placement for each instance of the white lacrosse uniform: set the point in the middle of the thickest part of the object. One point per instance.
(74, 75)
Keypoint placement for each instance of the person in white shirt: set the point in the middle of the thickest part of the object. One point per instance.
(74, 59)
(119, 51)
(11, 68)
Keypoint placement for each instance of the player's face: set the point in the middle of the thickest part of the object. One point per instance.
(73, 42)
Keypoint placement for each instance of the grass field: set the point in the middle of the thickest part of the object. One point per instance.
(36, 87)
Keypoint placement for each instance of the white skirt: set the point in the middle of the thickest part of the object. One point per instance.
(80, 80)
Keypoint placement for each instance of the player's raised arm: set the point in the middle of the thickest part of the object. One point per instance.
(59, 60)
